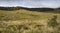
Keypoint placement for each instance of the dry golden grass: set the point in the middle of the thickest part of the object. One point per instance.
(24, 21)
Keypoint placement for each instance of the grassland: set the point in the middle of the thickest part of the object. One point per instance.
(24, 21)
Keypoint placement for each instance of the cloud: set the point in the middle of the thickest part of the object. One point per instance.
(31, 3)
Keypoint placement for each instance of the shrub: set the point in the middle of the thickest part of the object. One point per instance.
(52, 23)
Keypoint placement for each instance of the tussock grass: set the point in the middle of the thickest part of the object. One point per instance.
(23, 21)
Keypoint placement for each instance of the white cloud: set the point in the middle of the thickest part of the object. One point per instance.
(31, 3)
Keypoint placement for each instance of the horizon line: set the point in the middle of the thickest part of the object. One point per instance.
(29, 7)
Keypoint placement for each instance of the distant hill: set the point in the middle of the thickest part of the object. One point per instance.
(31, 9)
(40, 9)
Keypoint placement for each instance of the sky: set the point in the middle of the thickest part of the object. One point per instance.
(31, 3)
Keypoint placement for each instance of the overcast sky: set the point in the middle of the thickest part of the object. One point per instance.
(31, 3)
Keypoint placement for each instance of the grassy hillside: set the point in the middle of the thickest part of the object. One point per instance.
(24, 21)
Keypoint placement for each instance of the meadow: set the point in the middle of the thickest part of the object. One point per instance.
(25, 21)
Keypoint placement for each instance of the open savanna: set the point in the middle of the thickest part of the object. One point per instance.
(25, 21)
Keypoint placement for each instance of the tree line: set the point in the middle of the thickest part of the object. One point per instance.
(31, 9)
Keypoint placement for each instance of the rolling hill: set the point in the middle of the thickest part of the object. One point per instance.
(26, 21)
